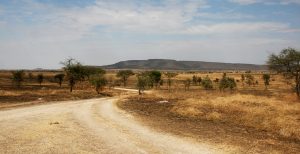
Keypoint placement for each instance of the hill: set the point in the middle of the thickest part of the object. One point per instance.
(167, 64)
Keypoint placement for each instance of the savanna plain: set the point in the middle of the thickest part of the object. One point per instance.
(249, 117)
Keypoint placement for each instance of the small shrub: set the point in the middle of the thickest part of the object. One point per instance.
(18, 77)
(206, 83)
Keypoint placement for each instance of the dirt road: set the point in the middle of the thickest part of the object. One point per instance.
(87, 126)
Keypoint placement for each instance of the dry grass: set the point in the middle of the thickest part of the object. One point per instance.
(260, 112)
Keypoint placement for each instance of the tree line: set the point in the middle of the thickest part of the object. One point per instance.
(287, 63)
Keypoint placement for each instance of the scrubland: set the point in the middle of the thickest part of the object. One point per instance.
(271, 114)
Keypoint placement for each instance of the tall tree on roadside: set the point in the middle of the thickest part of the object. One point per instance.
(169, 76)
(124, 75)
(40, 78)
(59, 78)
(287, 63)
(18, 77)
(74, 71)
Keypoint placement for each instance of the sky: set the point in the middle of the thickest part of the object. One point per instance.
(42, 33)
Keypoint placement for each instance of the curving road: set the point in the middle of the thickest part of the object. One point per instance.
(87, 126)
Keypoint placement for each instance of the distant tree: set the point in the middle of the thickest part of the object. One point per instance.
(110, 82)
(124, 75)
(30, 76)
(74, 71)
(154, 77)
(59, 78)
(199, 80)
(40, 78)
(243, 79)
(287, 63)
(91, 70)
(227, 83)
(216, 80)
(249, 79)
(142, 80)
(195, 79)
(169, 76)
(206, 83)
(187, 84)
(161, 82)
(18, 77)
(98, 81)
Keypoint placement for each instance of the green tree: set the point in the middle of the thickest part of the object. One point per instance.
(243, 79)
(98, 81)
(249, 79)
(18, 77)
(124, 75)
(195, 79)
(59, 78)
(206, 83)
(40, 78)
(142, 80)
(199, 80)
(92, 70)
(287, 63)
(74, 71)
(227, 83)
(169, 76)
(154, 77)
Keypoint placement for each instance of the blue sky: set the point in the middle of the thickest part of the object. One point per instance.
(41, 33)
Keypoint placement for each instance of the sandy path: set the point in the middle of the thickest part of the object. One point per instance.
(89, 126)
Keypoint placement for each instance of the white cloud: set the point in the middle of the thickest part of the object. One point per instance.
(248, 27)
(183, 31)
(171, 17)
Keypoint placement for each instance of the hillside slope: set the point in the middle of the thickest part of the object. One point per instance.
(166, 64)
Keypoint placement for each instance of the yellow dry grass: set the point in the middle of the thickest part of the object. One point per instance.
(271, 114)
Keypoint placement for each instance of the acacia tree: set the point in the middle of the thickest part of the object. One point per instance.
(40, 78)
(155, 77)
(18, 77)
(206, 83)
(287, 63)
(124, 75)
(227, 82)
(59, 78)
(142, 80)
(266, 78)
(91, 70)
(98, 81)
(243, 78)
(249, 79)
(169, 76)
(74, 71)
(195, 79)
